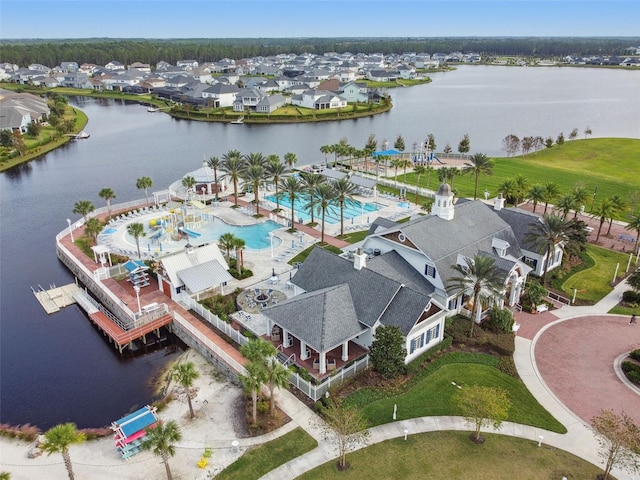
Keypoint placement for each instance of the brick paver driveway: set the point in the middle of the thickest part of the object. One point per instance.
(576, 360)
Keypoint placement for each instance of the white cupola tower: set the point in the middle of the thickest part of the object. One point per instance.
(443, 204)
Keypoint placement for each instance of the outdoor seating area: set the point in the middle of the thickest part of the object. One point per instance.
(253, 300)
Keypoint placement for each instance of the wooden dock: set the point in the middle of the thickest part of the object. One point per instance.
(55, 298)
(121, 338)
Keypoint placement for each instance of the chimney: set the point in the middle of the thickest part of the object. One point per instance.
(360, 259)
(498, 203)
(188, 248)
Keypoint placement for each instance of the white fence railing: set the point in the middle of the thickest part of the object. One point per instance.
(214, 320)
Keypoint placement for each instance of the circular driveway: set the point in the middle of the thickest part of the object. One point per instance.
(576, 359)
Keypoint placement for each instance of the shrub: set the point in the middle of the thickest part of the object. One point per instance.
(22, 432)
(630, 296)
(504, 344)
(500, 320)
(632, 371)
(635, 354)
(507, 366)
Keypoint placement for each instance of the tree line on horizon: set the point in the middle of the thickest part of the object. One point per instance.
(52, 52)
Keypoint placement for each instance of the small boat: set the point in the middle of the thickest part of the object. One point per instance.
(239, 121)
(82, 135)
(153, 109)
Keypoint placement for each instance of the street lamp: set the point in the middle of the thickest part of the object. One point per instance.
(137, 290)
(70, 230)
(595, 192)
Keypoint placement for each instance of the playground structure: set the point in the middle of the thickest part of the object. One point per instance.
(131, 430)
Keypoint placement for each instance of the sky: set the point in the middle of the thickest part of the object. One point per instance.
(315, 18)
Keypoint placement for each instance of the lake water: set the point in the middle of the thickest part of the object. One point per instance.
(59, 368)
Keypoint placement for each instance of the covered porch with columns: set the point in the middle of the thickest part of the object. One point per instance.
(318, 362)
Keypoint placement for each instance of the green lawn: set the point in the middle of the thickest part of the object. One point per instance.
(610, 164)
(431, 396)
(594, 282)
(452, 456)
(259, 460)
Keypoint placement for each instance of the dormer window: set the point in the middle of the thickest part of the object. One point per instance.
(500, 246)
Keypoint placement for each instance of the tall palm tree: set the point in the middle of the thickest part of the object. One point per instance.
(93, 227)
(508, 189)
(255, 174)
(84, 208)
(419, 170)
(580, 196)
(277, 376)
(311, 181)
(258, 350)
(136, 230)
(228, 242)
(565, 204)
(276, 170)
(396, 163)
(429, 169)
(478, 164)
(480, 278)
(547, 234)
(344, 190)
(634, 224)
(290, 159)
(214, 163)
(161, 440)
(522, 187)
(255, 158)
(536, 195)
(405, 163)
(603, 212)
(232, 165)
(188, 182)
(58, 439)
(619, 206)
(325, 149)
(185, 374)
(107, 195)
(144, 183)
(239, 244)
(252, 382)
(293, 188)
(551, 191)
(324, 196)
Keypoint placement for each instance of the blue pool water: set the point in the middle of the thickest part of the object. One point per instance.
(352, 208)
(256, 236)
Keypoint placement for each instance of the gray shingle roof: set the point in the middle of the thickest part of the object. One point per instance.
(323, 319)
(392, 265)
(521, 223)
(405, 310)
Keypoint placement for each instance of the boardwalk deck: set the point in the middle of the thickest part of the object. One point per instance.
(55, 298)
(121, 337)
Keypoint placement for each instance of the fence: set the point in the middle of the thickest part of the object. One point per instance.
(214, 320)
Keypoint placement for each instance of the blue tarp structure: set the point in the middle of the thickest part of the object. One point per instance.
(137, 421)
(134, 265)
(386, 153)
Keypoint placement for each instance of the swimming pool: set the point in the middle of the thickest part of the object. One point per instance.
(352, 209)
(256, 236)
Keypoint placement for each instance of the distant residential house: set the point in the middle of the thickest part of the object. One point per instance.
(114, 65)
(143, 67)
(270, 103)
(354, 92)
(319, 100)
(43, 81)
(177, 81)
(222, 95)
(202, 74)
(76, 80)
(406, 72)
(41, 68)
(630, 62)
(247, 98)
(24, 75)
(162, 66)
(381, 76)
(18, 110)
(188, 65)
(89, 68)
(69, 67)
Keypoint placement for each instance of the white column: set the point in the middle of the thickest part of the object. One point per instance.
(345, 351)
(323, 363)
(303, 350)
(284, 337)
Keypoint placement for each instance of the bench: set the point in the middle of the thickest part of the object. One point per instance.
(542, 308)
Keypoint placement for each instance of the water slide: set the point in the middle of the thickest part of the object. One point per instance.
(191, 233)
(432, 157)
(198, 204)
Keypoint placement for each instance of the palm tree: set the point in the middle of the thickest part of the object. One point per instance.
(254, 175)
(547, 234)
(84, 208)
(429, 169)
(311, 181)
(255, 158)
(252, 382)
(185, 374)
(580, 196)
(58, 439)
(188, 182)
(508, 189)
(377, 160)
(325, 196)
(161, 441)
(258, 350)
(214, 163)
(276, 170)
(405, 163)
(343, 190)
(136, 230)
(277, 376)
(233, 166)
(619, 206)
(107, 195)
(419, 170)
(634, 224)
(550, 192)
(325, 149)
(565, 204)
(228, 242)
(603, 212)
(478, 164)
(239, 244)
(396, 163)
(92, 228)
(522, 186)
(144, 183)
(480, 277)
(290, 159)
(293, 188)
(536, 195)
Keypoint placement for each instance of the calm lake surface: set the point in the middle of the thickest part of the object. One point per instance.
(59, 368)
